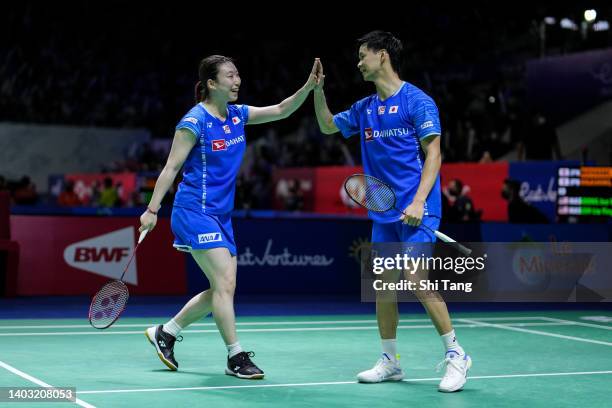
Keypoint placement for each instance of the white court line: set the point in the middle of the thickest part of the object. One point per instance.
(541, 333)
(576, 323)
(288, 323)
(293, 323)
(283, 329)
(39, 382)
(226, 387)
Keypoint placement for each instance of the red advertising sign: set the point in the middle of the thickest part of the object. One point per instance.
(485, 183)
(329, 191)
(293, 181)
(77, 255)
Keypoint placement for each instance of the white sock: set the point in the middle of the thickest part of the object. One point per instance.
(233, 349)
(389, 347)
(451, 344)
(172, 328)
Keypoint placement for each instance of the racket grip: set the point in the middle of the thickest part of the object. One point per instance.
(142, 236)
(461, 248)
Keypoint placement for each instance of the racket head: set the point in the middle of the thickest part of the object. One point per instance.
(370, 192)
(108, 304)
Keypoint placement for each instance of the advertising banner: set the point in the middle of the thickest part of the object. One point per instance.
(295, 256)
(329, 191)
(291, 182)
(539, 183)
(484, 182)
(77, 255)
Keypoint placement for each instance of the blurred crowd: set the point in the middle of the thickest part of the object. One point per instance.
(22, 191)
(457, 206)
(96, 66)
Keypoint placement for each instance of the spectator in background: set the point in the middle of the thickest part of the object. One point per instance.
(120, 193)
(68, 198)
(95, 193)
(539, 140)
(519, 211)
(294, 200)
(460, 205)
(109, 197)
(3, 184)
(133, 200)
(25, 192)
(244, 197)
(486, 158)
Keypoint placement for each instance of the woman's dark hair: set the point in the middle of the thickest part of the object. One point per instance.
(384, 40)
(209, 68)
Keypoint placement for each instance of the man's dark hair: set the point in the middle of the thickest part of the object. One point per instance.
(384, 40)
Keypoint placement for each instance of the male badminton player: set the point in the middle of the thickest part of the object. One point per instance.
(210, 142)
(400, 144)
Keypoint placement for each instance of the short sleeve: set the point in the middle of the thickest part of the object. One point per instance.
(423, 114)
(190, 123)
(243, 110)
(348, 121)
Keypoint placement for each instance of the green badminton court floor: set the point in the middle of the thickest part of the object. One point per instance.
(547, 359)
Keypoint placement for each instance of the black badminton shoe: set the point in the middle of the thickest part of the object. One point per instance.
(164, 345)
(241, 366)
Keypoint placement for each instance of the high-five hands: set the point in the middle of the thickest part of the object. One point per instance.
(320, 76)
(315, 75)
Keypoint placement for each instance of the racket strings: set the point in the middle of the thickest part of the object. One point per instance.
(108, 304)
(370, 193)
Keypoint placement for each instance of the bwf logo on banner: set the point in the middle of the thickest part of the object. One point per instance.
(105, 255)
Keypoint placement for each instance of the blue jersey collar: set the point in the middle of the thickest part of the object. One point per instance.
(210, 114)
(396, 92)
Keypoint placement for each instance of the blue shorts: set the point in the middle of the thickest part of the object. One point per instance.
(390, 239)
(400, 232)
(196, 230)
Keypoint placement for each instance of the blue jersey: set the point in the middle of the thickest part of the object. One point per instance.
(391, 132)
(210, 170)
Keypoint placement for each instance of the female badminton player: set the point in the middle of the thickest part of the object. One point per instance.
(209, 143)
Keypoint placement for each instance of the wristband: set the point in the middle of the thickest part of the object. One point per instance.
(151, 211)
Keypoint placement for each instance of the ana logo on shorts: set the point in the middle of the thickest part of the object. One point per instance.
(210, 237)
(218, 145)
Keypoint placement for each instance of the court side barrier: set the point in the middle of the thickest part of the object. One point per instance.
(9, 250)
(278, 253)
